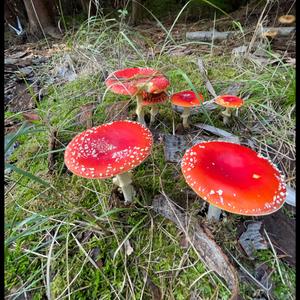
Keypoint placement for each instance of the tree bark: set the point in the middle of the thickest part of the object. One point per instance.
(89, 7)
(12, 10)
(41, 18)
(136, 12)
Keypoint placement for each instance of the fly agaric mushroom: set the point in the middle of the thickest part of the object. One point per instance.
(110, 150)
(135, 81)
(287, 19)
(233, 178)
(186, 99)
(152, 100)
(228, 101)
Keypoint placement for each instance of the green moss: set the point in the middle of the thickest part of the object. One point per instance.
(155, 241)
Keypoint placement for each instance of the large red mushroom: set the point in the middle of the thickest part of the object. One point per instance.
(136, 82)
(186, 99)
(233, 178)
(109, 150)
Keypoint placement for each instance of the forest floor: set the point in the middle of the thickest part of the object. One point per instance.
(70, 237)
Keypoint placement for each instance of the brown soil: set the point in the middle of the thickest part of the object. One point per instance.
(282, 232)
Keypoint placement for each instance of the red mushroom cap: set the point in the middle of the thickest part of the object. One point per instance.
(131, 81)
(150, 99)
(186, 99)
(229, 101)
(234, 178)
(109, 149)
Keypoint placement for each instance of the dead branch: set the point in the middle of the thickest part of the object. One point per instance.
(209, 36)
(203, 72)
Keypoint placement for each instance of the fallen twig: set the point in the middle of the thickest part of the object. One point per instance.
(209, 36)
(203, 73)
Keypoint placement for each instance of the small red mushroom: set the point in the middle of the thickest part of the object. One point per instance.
(152, 100)
(233, 178)
(135, 81)
(228, 101)
(187, 100)
(110, 150)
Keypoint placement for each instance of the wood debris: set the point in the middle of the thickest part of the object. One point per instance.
(174, 147)
(208, 36)
(219, 132)
(252, 240)
(201, 239)
(214, 35)
(291, 196)
(203, 73)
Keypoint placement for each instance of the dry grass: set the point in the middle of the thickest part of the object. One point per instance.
(64, 240)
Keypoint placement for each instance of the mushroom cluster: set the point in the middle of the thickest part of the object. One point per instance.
(229, 176)
(109, 150)
(143, 84)
(233, 178)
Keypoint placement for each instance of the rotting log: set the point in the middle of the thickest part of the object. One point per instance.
(201, 240)
(208, 36)
(41, 17)
(281, 31)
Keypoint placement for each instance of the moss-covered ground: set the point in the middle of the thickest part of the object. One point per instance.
(63, 237)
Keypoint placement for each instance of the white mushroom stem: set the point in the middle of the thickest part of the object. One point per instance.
(139, 109)
(153, 112)
(213, 213)
(226, 115)
(124, 182)
(185, 115)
